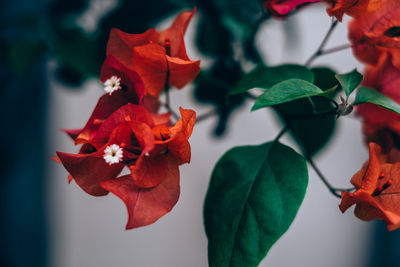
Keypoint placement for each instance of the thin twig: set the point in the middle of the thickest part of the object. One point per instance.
(323, 43)
(332, 189)
(206, 115)
(335, 49)
(281, 133)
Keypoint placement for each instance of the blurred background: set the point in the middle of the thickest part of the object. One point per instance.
(51, 53)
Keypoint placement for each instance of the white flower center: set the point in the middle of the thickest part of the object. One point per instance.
(112, 84)
(113, 154)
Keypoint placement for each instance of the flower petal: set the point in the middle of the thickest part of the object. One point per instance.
(150, 171)
(279, 8)
(182, 72)
(89, 169)
(175, 34)
(145, 206)
(149, 61)
(129, 78)
(120, 44)
(126, 113)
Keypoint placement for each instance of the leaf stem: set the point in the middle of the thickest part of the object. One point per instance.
(335, 49)
(323, 43)
(331, 189)
(281, 133)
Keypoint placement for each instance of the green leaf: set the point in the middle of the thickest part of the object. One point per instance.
(253, 197)
(324, 77)
(287, 91)
(367, 95)
(313, 132)
(349, 81)
(264, 77)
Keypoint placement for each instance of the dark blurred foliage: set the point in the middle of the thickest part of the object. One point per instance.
(222, 25)
(213, 87)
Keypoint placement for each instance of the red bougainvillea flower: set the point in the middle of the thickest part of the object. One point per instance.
(146, 144)
(337, 8)
(377, 33)
(378, 190)
(354, 8)
(158, 57)
(127, 88)
(387, 138)
(281, 8)
(384, 78)
(129, 137)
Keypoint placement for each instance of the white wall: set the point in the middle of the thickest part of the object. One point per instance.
(89, 231)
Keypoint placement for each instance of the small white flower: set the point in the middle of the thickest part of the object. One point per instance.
(112, 84)
(113, 154)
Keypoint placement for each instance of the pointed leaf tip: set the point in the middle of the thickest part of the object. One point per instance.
(349, 81)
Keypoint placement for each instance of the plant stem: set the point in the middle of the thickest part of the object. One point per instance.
(335, 49)
(332, 189)
(323, 43)
(206, 115)
(281, 133)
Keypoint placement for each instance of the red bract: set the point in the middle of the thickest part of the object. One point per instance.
(378, 190)
(375, 33)
(281, 8)
(88, 169)
(145, 206)
(150, 145)
(131, 92)
(159, 57)
(144, 146)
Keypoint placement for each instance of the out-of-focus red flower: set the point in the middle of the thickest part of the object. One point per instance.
(384, 78)
(377, 194)
(281, 8)
(354, 8)
(375, 34)
(158, 57)
(337, 8)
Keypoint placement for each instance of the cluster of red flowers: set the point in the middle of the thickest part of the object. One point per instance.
(126, 130)
(375, 41)
(374, 33)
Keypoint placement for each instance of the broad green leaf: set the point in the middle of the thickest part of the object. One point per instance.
(286, 91)
(349, 81)
(253, 198)
(314, 132)
(367, 95)
(324, 77)
(264, 77)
